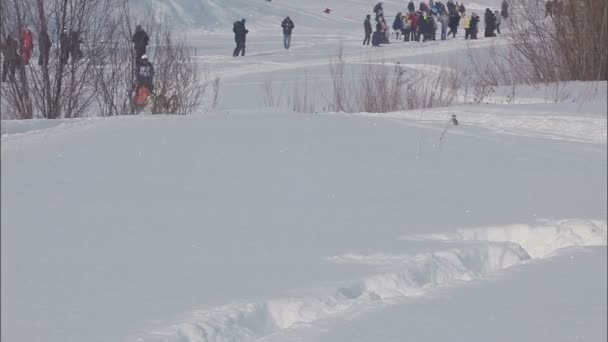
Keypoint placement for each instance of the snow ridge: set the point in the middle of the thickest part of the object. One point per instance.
(407, 276)
(538, 240)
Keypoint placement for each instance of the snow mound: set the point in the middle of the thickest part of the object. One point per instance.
(402, 276)
(414, 276)
(538, 240)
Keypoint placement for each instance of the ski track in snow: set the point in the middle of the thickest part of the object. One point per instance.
(489, 250)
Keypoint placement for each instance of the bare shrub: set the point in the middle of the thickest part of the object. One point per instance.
(270, 98)
(301, 100)
(564, 44)
(337, 70)
(387, 89)
(98, 75)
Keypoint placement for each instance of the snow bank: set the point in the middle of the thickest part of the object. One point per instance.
(406, 276)
(537, 240)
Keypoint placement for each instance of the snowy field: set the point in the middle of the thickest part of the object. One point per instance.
(254, 223)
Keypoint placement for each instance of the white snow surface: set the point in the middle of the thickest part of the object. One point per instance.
(258, 224)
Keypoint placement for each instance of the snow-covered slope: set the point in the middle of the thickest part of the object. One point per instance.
(254, 223)
(240, 227)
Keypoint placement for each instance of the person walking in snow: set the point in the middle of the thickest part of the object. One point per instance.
(451, 7)
(240, 36)
(453, 23)
(140, 41)
(27, 45)
(367, 27)
(287, 26)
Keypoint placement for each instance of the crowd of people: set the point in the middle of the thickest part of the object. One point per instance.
(416, 23)
(18, 53)
(422, 24)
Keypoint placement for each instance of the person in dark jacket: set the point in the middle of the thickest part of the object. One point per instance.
(287, 26)
(240, 34)
(474, 25)
(490, 22)
(453, 23)
(367, 26)
(424, 8)
(411, 7)
(378, 10)
(423, 27)
(144, 73)
(398, 24)
(378, 36)
(451, 6)
(140, 41)
(44, 44)
(65, 46)
(75, 42)
(10, 50)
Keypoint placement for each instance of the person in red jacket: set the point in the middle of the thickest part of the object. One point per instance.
(28, 45)
(414, 27)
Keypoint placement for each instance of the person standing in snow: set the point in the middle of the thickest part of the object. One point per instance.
(504, 11)
(240, 35)
(140, 41)
(466, 24)
(144, 73)
(433, 26)
(406, 27)
(27, 45)
(12, 60)
(65, 47)
(287, 26)
(490, 22)
(378, 10)
(367, 26)
(378, 36)
(411, 7)
(398, 25)
(445, 20)
(474, 25)
(75, 51)
(497, 20)
(44, 44)
(414, 26)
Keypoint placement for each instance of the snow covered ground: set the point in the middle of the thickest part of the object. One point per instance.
(258, 224)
